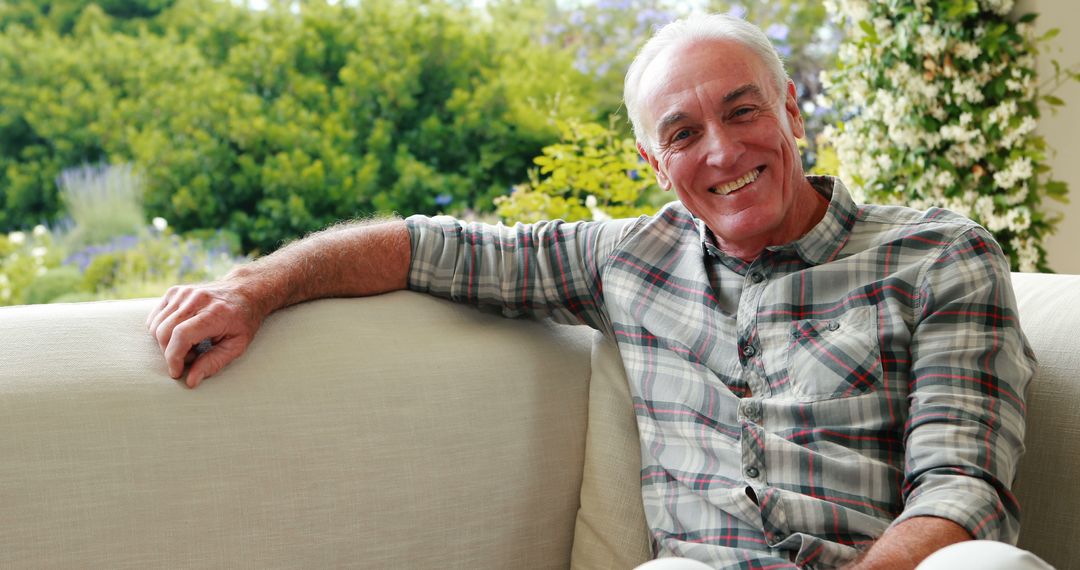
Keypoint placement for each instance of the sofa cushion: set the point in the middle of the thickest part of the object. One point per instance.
(611, 533)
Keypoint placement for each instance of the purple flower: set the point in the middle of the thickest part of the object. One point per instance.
(777, 32)
(620, 5)
(737, 11)
(443, 199)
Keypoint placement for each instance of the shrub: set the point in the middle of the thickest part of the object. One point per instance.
(102, 201)
(592, 173)
(53, 284)
(940, 104)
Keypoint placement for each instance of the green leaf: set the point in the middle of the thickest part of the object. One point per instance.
(1055, 101)
(1049, 35)
(1056, 188)
(868, 28)
(1028, 18)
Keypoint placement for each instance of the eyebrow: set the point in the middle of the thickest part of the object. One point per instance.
(748, 89)
(735, 94)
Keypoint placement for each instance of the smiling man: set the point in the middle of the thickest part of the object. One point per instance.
(817, 383)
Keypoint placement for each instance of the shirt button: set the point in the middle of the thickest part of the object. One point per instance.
(757, 277)
(752, 472)
(833, 325)
(748, 351)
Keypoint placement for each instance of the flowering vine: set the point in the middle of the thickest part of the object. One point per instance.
(938, 105)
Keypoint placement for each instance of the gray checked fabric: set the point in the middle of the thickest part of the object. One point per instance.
(792, 408)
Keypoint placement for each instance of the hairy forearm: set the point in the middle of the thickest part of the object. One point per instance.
(347, 260)
(905, 545)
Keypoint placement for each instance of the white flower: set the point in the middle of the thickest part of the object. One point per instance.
(884, 161)
(1018, 219)
(590, 201)
(40, 231)
(17, 238)
(968, 90)
(1019, 170)
(1000, 114)
(966, 50)
(944, 179)
(1010, 138)
(159, 223)
(4, 279)
(39, 251)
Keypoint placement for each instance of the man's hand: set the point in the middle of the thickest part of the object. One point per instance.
(905, 545)
(349, 260)
(189, 315)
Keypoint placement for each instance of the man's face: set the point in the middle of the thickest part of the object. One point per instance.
(724, 139)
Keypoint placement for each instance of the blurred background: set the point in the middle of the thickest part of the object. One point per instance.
(149, 142)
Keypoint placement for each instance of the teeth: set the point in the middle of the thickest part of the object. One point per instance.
(735, 184)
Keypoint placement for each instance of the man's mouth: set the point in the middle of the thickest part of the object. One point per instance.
(734, 185)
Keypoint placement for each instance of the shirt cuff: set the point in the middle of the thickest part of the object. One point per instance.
(967, 501)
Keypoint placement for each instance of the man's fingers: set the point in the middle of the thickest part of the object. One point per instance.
(186, 336)
(169, 299)
(213, 360)
(178, 314)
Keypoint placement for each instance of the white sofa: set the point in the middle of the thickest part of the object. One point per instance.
(391, 432)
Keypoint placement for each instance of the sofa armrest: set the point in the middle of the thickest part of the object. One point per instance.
(396, 431)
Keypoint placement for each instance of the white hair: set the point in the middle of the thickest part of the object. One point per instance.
(689, 30)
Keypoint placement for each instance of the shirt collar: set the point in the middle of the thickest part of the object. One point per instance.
(819, 245)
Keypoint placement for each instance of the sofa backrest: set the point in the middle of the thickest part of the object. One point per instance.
(401, 431)
(1047, 483)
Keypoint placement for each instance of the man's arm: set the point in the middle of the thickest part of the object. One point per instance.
(343, 261)
(905, 545)
(964, 433)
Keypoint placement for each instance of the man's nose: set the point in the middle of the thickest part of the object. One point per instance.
(722, 148)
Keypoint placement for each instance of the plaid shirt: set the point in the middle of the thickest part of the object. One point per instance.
(792, 408)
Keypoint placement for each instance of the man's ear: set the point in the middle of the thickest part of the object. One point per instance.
(661, 177)
(791, 108)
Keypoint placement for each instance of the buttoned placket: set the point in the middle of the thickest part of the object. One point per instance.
(755, 282)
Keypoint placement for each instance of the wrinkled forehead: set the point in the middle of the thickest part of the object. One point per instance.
(720, 64)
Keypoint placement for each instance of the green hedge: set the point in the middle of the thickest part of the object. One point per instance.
(272, 124)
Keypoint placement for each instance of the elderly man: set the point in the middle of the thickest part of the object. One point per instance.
(817, 383)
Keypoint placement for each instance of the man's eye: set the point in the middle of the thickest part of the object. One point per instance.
(742, 111)
(682, 134)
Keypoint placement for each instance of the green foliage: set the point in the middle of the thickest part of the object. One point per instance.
(273, 124)
(941, 105)
(106, 252)
(53, 284)
(592, 173)
(23, 258)
(103, 201)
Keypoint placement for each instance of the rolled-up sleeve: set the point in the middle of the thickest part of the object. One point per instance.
(549, 269)
(971, 365)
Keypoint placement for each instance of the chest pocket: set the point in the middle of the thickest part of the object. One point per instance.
(835, 358)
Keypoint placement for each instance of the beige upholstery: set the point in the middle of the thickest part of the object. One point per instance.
(1047, 485)
(391, 432)
(398, 432)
